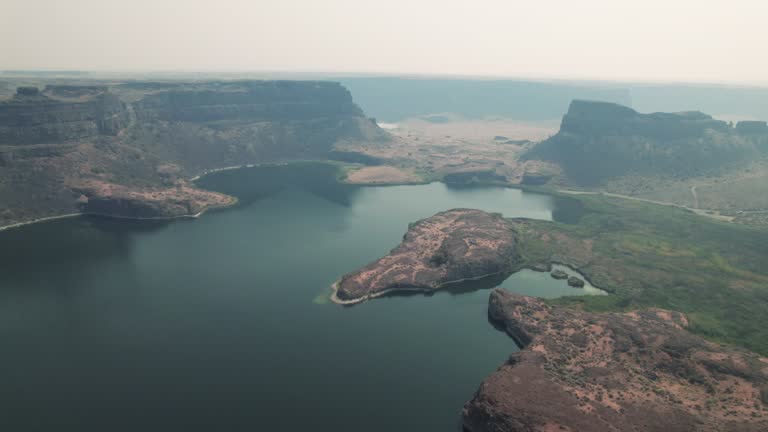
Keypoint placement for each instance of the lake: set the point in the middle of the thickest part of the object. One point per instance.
(223, 323)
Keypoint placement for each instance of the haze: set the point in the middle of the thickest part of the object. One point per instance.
(652, 40)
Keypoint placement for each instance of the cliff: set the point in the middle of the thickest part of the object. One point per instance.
(592, 118)
(254, 101)
(34, 117)
(140, 140)
(641, 370)
(598, 141)
(231, 123)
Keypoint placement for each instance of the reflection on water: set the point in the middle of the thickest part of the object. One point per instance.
(568, 210)
(526, 282)
(253, 184)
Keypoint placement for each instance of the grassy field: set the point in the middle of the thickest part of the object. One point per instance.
(652, 255)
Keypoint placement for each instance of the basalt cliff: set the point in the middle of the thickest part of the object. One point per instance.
(599, 141)
(126, 149)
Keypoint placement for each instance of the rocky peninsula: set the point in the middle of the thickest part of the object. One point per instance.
(577, 370)
(449, 247)
(641, 370)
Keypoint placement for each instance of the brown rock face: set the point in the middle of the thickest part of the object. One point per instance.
(108, 199)
(450, 246)
(638, 371)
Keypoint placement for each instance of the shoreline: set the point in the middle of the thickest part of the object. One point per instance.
(109, 216)
(335, 288)
(234, 167)
(185, 216)
(194, 179)
(39, 220)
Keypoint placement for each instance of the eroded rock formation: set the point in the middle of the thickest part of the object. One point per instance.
(113, 200)
(637, 371)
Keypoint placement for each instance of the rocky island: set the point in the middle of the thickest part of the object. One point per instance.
(449, 247)
(640, 370)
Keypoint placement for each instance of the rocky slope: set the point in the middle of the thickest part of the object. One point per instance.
(451, 246)
(125, 149)
(598, 141)
(637, 371)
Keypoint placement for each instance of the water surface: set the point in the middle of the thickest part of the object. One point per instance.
(221, 323)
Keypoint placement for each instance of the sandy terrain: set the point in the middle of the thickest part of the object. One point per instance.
(431, 150)
(382, 175)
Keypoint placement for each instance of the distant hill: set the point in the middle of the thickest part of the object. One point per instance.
(600, 140)
(736, 102)
(391, 99)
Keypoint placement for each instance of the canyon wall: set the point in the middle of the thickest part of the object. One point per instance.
(75, 148)
(34, 117)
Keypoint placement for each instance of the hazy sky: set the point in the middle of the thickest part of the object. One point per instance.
(682, 40)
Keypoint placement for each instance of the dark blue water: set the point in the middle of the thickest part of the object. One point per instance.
(222, 323)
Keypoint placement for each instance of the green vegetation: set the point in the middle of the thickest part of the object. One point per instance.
(650, 255)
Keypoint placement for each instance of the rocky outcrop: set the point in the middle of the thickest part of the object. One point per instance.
(598, 141)
(106, 199)
(535, 179)
(449, 247)
(559, 274)
(641, 371)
